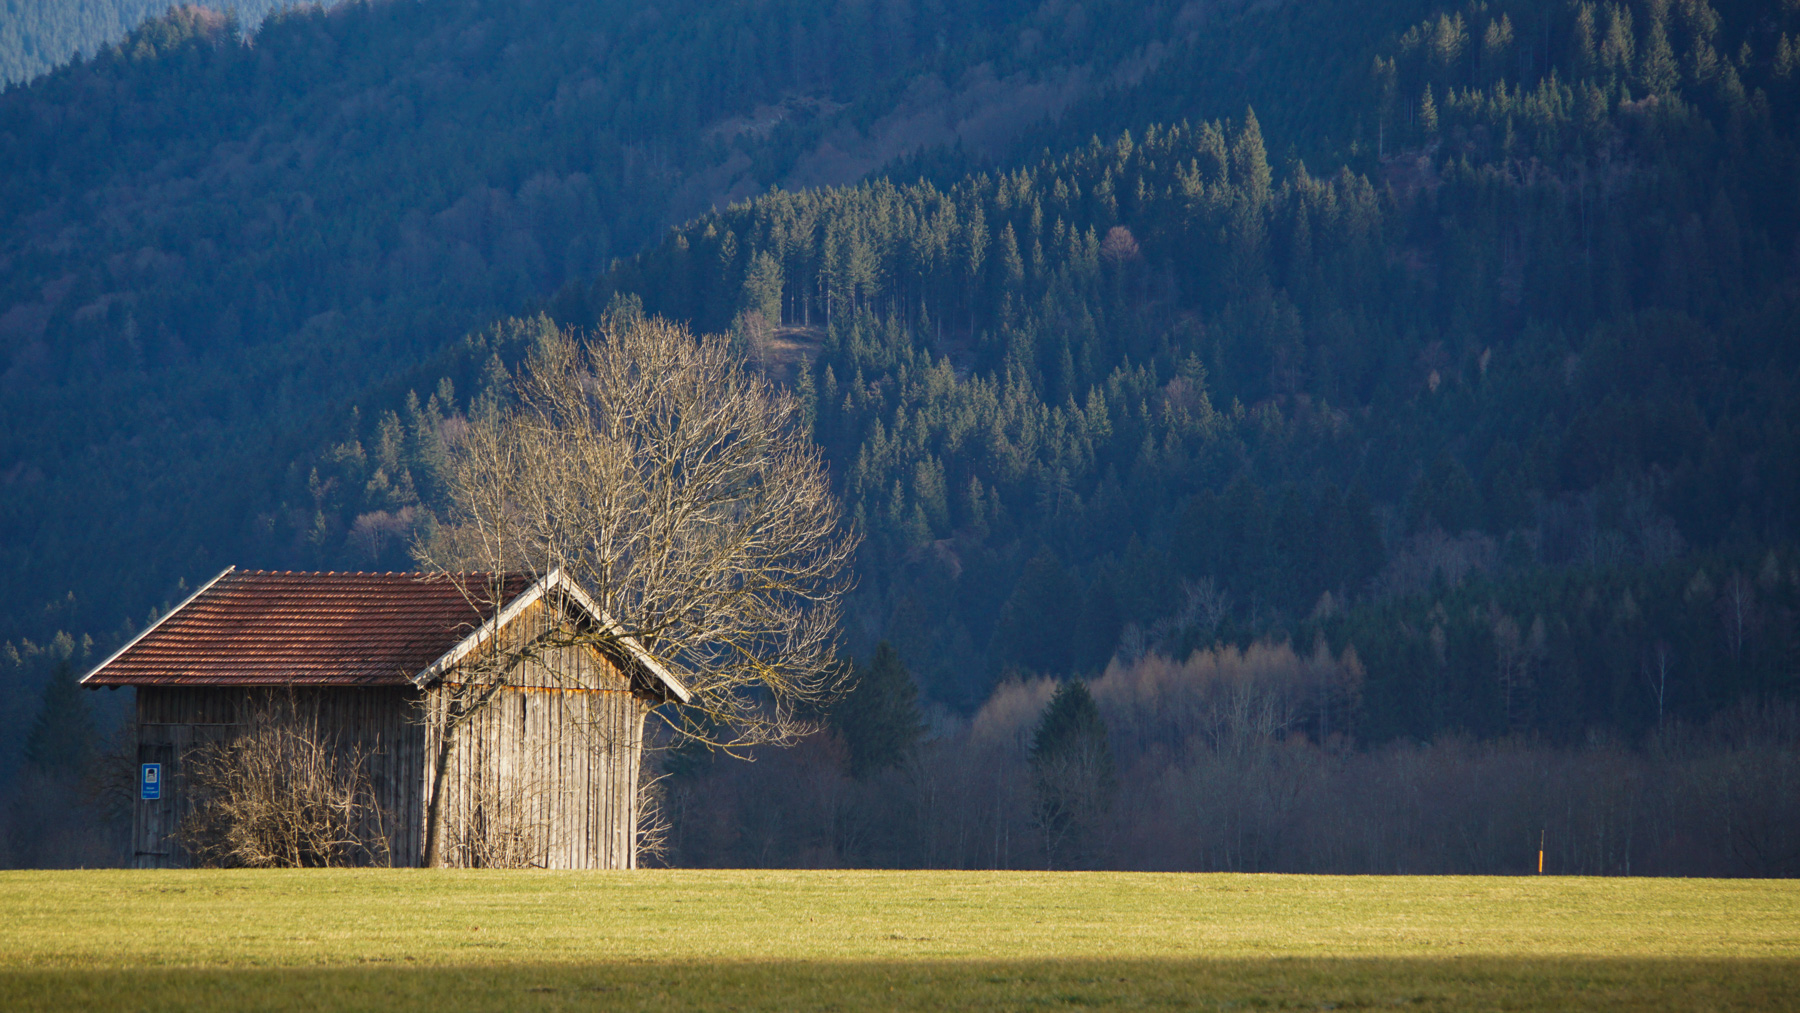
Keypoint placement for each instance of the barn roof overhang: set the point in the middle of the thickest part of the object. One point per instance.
(264, 628)
(627, 649)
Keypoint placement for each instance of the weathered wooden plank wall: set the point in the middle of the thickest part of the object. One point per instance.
(384, 721)
(546, 775)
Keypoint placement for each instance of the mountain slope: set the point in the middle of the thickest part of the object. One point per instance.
(37, 36)
(209, 245)
(1509, 410)
(1494, 392)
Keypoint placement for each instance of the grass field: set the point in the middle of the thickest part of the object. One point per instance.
(847, 940)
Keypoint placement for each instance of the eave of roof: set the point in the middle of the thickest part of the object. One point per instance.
(133, 642)
(556, 580)
(262, 628)
(641, 656)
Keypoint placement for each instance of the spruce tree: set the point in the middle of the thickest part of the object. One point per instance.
(1658, 71)
(878, 718)
(1428, 117)
(61, 740)
(1035, 624)
(1072, 770)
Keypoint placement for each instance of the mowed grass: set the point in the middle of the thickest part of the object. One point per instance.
(451, 940)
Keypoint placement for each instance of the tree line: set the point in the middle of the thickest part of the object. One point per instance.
(1200, 765)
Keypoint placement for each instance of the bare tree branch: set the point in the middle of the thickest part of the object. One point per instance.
(682, 493)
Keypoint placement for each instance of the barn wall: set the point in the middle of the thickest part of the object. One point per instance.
(173, 720)
(546, 774)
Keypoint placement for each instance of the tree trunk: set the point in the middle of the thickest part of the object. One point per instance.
(434, 809)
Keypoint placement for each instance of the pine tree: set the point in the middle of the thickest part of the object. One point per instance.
(62, 738)
(1072, 770)
(878, 718)
(1658, 71)
(1428, 118)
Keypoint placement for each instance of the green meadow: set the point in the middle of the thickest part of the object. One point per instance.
(451, 940)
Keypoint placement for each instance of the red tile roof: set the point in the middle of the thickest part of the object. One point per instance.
(259, 627)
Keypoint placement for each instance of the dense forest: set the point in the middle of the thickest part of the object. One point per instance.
(212, 245)
(37, 36)
(1511, 412)
(1418, 377)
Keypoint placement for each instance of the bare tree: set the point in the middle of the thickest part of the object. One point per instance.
(1656, 673)
(1204, 605)
(1737, 613)
(682, 494)
(1516, 657)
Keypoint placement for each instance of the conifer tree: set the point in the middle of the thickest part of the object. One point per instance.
(1072, 771)
(878, 718)
(1250, 162)
(1658, 72)
(61, 740)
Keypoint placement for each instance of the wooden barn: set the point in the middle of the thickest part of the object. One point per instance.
(544, 773)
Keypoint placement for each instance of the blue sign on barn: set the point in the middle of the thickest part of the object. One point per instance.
(150, 781)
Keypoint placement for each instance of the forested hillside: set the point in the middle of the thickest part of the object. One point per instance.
(211, 245)
(36, 36)
(1507, 404)
(1449, 349)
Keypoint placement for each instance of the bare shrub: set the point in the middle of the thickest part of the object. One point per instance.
(651, 821)
(505, 825)
(1224, 700)
(283, 793)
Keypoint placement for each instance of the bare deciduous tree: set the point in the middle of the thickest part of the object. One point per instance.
(680, 491)
(1517, 654)
(1737, 613)
(1656, 674)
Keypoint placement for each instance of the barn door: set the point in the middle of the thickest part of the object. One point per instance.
(153, 823)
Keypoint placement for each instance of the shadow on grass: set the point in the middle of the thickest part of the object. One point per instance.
(1289, 983)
